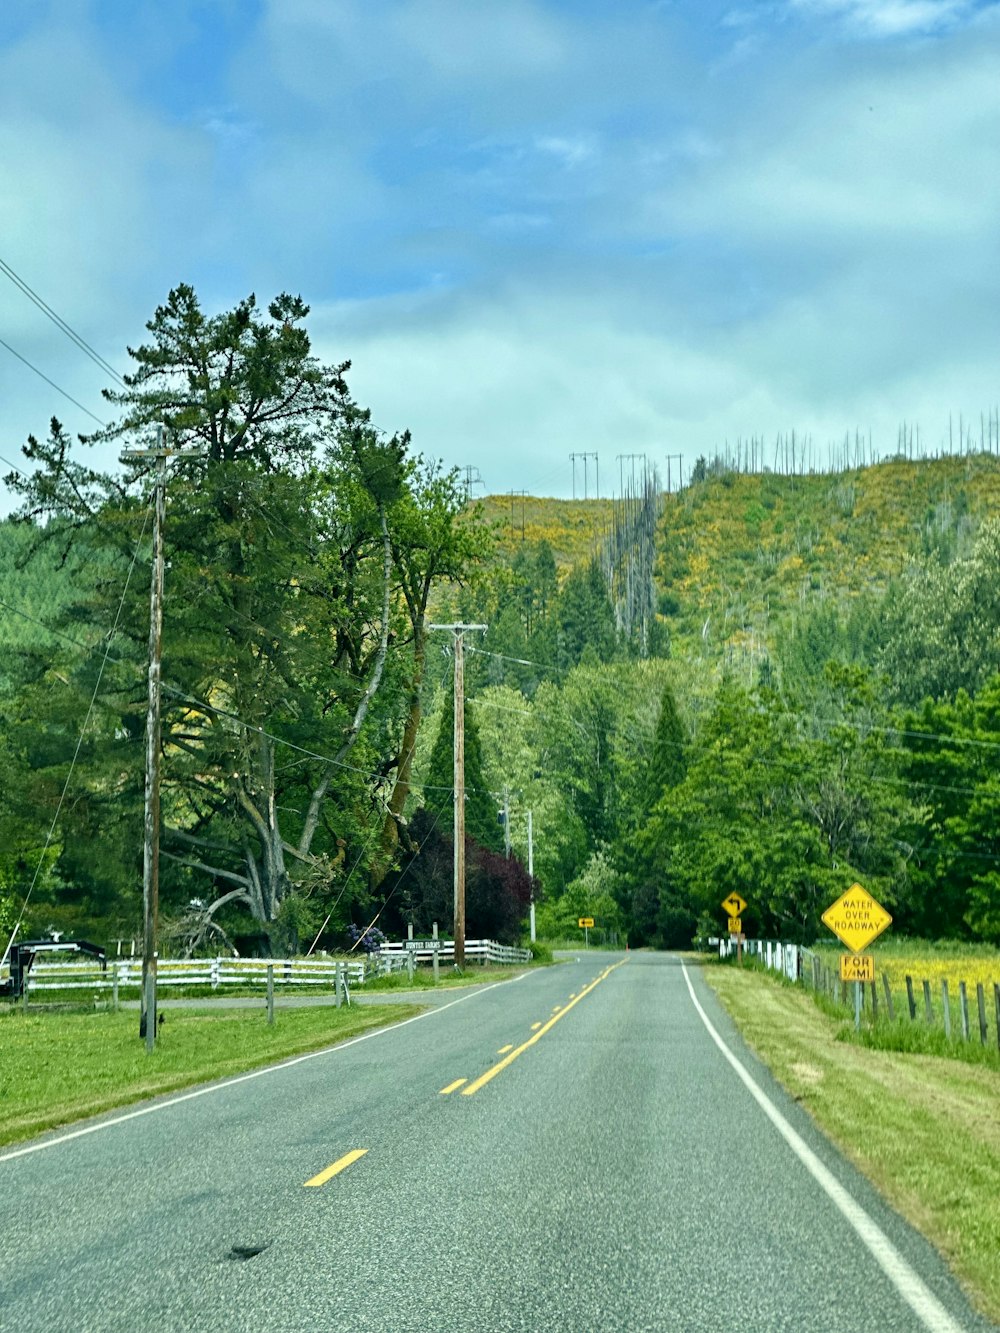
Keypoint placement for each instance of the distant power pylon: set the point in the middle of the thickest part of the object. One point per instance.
(620, 460)
(473, 478)
(680, 472)
(512, 495)
(584, 458)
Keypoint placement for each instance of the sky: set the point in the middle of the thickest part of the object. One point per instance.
(536, 228)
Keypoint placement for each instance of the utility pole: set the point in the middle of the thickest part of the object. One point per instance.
(457, 631)
(512, 493)
(151, 821)
(473, 477)
(531, 876)
(594, 457)
(506, 821)
(151, 817)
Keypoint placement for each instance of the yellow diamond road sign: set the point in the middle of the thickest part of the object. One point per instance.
(734, 904)
(856, 918)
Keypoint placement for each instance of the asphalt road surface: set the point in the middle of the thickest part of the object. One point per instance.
(588, 1147)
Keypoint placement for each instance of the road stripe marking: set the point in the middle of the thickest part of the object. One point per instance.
(535, 1026)
(150, 1107)
(491, 1073)
(914, 1291)
(504, 1049)
(452, 1086)
(337, 1167)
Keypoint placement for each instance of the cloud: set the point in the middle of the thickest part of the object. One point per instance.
(890, 18)
(535, 227)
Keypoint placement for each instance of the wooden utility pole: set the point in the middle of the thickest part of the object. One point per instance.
(457, 632)
(531, 876)
(151, 821)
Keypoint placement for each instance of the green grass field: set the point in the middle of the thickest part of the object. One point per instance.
(924, 1129)
(56, 1068)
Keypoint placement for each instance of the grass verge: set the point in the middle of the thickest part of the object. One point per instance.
(58, 1068)
(924, 1129)
(423, 978)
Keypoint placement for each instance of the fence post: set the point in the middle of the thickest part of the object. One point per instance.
(928, 1010)
(270, 994)
(981, 1004)
(888, 996)
(874, 994)
(215, 973)
(338, 999)
(114, 988)
(910, 1001)
(963, 1002)
(946, 1005)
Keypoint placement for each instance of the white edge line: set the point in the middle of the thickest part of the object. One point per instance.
(914, 1291)
(151, 1107)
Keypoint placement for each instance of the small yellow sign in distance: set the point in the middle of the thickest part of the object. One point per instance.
(734, 904)
(856, 918)
(586, 923)
(735, 925)
(857, 967)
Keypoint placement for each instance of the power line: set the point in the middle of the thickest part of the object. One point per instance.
(60, 323)
(204, 706)
(54, 385)
(13, 466)
(79, 743)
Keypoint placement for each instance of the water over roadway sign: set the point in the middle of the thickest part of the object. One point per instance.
(856, 918)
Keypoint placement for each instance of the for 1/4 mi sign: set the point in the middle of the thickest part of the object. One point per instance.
(857, 967)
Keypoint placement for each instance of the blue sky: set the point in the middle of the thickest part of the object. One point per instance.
(535, 227)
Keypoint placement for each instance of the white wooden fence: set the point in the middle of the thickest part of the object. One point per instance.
(476, 951)
(288, 972)
(774, 954)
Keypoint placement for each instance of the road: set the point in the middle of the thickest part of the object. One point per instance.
(574, 1150)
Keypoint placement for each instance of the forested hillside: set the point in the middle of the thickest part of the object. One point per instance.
(770, 684)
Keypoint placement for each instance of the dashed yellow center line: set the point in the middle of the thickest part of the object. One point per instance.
(452, 1086)
(491, 1073)
(504, 1049)
(338, 1166)
(535, 1027)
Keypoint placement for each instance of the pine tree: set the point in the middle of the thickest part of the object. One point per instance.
(668, 763)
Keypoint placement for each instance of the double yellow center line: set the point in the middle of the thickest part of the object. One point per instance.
(469, 1088)
(491, 1073)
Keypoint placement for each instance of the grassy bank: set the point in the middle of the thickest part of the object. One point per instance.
(924, 1129)
(57, 1068)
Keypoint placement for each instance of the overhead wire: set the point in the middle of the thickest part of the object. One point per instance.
(60, 323)
(79, 743)
(52, 383)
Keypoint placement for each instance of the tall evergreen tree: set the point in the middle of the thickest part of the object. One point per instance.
(586, 620)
